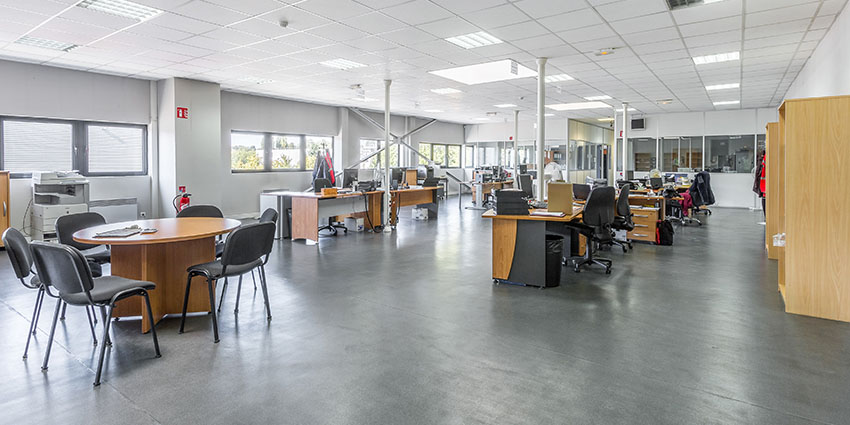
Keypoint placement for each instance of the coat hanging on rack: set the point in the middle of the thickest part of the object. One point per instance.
(324, 168)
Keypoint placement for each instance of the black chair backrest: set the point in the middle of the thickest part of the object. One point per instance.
(623, 209)
(656, 182)
(67, 225)
(431, 182)
(320, 184)
(269, 216)
(599, 210)
(62, 267)
(581, 191)
(525, 184)
(18, 250)
(210, 211)
(248, 243)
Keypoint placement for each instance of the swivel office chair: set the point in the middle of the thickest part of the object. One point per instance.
(210, 211)
(595, 226)
(581, 191)
(623, 219)
(318, 185)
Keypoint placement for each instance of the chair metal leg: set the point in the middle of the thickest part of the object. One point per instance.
(254, 279)
(64, 307)
(265, 291)
(106, 324)
(153, 325)
(238, 294)
(33, 324)
(223, 290)
(185, 302)
(38, 313)
(94, 315)
(91, 324)
(212, 303)
(105, 316)
(59, 303)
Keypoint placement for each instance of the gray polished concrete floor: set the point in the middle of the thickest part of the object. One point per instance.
(408, 328)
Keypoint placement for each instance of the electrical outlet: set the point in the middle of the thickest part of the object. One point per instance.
(143, 214)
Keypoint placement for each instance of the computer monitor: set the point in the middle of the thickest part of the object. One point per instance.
(656, 183)
(365, 174)
(397, 175)
(349, 176)
(581, 191)
(525, 185)
(523, 168)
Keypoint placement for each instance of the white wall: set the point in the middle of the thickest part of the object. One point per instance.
(29, 90)
(826, 71)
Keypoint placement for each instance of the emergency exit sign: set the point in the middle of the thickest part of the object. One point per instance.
(182, 113)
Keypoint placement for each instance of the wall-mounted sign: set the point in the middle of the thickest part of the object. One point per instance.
(182, 113)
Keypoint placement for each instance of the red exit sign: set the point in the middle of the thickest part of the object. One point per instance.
(182, 113)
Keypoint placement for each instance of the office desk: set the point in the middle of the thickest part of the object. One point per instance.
(161, 258)
(519, 245)
(487, 187)
(414, 196)
(309, 208)
(649, 209)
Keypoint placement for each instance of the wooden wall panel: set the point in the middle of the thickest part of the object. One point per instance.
(817, 154)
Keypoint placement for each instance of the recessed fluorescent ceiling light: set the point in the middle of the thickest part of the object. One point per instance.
(505, 105)
(605, 119)
(123, 8)
(365, 99)
(557, 78)
(434, 111)
(577, 106)
(723, 86)
(548, 115)
(621, 110)
(256, 80)
(720, 57)
(712, 1)
(45, 43)
(489, 72)
(446, 91)
(727, 102)
(476, 39)
(482, 119)
(342, 64)
(603, 97)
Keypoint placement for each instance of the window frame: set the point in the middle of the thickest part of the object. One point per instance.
(79, 145)
(267, 151)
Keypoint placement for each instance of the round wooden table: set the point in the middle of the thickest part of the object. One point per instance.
(162, 258)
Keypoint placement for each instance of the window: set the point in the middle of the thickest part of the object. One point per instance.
(439, 154)
(246, 151)
(286, 152)
(453, 156)
(730, 154)
(92, 148)
(643, 151)
(116, 149)
(469, 156)
(369, 146)
(424, 149)
(317, 145)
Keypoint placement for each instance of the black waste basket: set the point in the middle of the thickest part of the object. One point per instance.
(554, 257)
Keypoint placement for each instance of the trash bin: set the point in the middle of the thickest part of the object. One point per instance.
(554, 257)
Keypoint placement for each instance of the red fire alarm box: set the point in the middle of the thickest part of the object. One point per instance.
(182, 113)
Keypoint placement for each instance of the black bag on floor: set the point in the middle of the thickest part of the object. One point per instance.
(664, 233)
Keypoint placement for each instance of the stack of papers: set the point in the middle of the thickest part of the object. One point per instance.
(547, 214)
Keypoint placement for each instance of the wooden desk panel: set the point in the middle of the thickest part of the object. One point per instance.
(411, 197)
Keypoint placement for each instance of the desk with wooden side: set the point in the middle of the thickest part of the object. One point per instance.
(486, 187)
(426, 196)
(308, 209)
(161, 258)
(519, 245)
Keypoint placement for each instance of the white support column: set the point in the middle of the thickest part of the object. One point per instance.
(387, 141)
(541, 124)
(625, 139)
(516, 146)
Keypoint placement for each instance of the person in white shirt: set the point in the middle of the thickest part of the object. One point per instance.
(553, 170)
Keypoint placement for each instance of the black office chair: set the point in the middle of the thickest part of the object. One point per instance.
(268, 216)
(581, 191)
(65, 268)
(67, 225)
(525, 185)
(318, 185)
(209, 211)
(18, 251)
(656, 183)
(597, 219)
(243, 251)
(623, 218)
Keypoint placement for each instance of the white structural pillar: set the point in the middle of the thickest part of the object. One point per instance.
(516, 146)
(541, 124)
(387, 141)
(625, 139)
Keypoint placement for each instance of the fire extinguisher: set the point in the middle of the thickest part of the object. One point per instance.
(181, 201)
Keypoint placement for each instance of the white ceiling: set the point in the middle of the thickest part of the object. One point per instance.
(231, 41)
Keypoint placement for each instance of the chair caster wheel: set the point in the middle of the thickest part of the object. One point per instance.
(607, 271)
(625, 250)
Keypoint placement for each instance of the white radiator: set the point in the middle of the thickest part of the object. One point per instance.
(116, 210)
